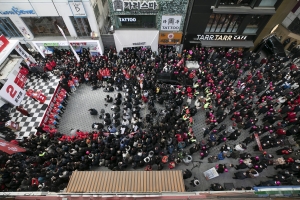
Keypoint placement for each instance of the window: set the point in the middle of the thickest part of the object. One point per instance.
(8, 29)
(81, 25)
(253, 25)
(224, 23)
(267, 3)
(236, 2)
(46, 26)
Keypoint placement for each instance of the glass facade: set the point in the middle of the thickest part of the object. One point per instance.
(46, 26)
(253, 25)
(8, 29)
(81, 25)
(137, 21)
(267, 3)
(224, 23)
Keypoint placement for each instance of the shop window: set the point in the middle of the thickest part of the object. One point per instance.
(137, 21)
(267, 3)
(254, 24)
(81, 25)
(8, 29)
(219, 23)
(46, 26)
(236, 2)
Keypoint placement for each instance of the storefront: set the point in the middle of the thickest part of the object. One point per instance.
(170, 39)
(31, 21)
(219, 40)
(138, 23)
(46, 47)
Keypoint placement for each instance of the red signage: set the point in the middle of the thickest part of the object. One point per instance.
(3, 42)
(20, 80)
(258, 142)
(10, 148)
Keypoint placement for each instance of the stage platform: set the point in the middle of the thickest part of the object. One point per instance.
(35, 108)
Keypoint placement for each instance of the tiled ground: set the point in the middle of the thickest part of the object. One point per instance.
(77, 116)
(27, 124)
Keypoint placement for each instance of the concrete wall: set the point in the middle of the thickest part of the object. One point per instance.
(281, 13)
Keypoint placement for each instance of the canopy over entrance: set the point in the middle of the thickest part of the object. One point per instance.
(125, 182)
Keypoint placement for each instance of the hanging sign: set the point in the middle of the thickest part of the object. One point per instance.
(28, 58)
(170, 23)
(77, 9)
(169, 38)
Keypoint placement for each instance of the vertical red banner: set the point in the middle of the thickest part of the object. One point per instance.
(258, 142)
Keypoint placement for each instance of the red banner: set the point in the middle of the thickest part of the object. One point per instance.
(258, 142)
(3, 42)
(10, 148)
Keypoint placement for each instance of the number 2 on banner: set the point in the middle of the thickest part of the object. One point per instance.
(12, 92)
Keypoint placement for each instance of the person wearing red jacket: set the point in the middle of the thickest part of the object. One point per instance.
(53, 64)
(281, 131)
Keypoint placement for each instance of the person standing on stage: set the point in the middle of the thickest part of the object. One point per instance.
(22, 111)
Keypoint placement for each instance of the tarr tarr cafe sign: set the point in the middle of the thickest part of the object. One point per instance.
(221, 37)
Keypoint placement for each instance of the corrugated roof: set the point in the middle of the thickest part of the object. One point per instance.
(126, 181)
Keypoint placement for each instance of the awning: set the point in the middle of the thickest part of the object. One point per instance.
(245, 44)
(126, 182)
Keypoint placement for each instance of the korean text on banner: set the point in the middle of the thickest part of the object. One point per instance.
(12, 93)
(27, 57)
(10, 148)
(75, 54)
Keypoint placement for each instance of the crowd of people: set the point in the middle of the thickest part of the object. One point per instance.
(259, 97)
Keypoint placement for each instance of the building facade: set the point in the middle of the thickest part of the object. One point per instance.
(147, 22)
(35, 23)
(287, 28)
(227, 23)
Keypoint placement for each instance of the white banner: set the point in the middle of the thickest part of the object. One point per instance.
(75, 54)
(12, 93)
(170, 23)
(27, 57)
(77, 9)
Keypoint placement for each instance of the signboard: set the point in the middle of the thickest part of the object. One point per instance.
(16, 11)
(139, 44)
(77, 9)
(27, 57)
(10, 148)
(12, 93)
(123, 19)
(258, 142)
(221, 37)
(170, 23)
(3, 42)
(169, 38)
(121, 5)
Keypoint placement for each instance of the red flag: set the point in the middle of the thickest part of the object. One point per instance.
(10, 148)
(258, 142)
